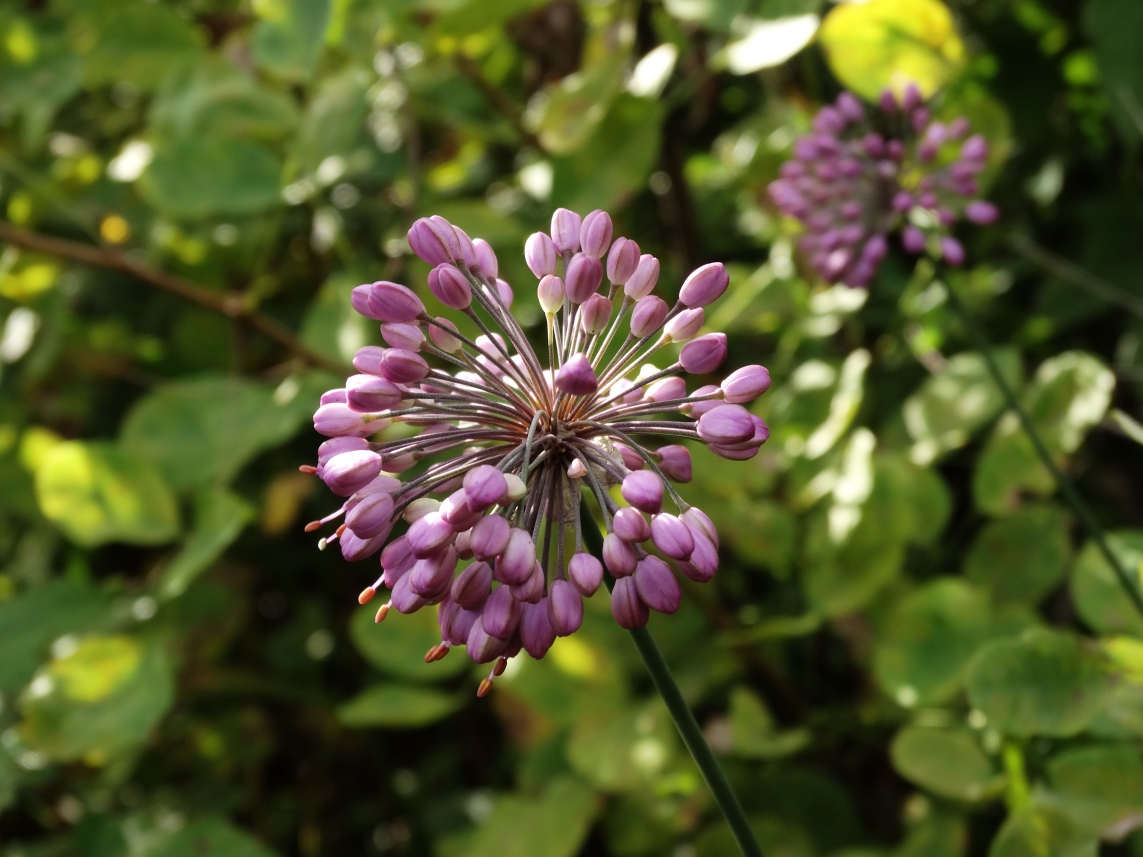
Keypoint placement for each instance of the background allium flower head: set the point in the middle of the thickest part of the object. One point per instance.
(858, 178)
(511, 438)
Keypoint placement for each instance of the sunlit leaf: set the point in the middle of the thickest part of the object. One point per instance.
(769, 43)
(572, 109)
(397, 706)
(219, 519)
(1098, 593)
(946, 762)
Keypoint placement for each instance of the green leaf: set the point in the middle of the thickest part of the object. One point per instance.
(1021, 558)
(951, 406)
(752, 732)
(617, 749)
(334, 123)
(574, 107)
(288, 40)
(98, 701)
(220, 518)
(98, 493)
(946, 762)
(1111, 25)
(211, 837)
(398, 706)
(37, 89)
(202, 431)
(1099, 787)
(196, 177)
(890, 43)
(928, 638)
(712, 14)
(398, 644)
(332, 327)
(1098, 595)
(137, 43)
(552, 824)
(1041, 832)
(30, 622)
(1044, 683)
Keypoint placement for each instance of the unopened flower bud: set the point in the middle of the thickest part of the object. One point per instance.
(467, 250)
(490, 536)
(472, 586)
(540, 254)
(644, 490)
(369, 393)
(726, 424)
(622, 260)
(585, 573)
(429, 534)
(576, 377)
(594, 314)
(348, 472)
(337, 418)
(618, 555)
(952, 251)
(642, 280)
(354, 549)
(486, 259)
(665, 390)
(433, 243)
(648, 316)
(595, 234)
(515, 564)
(981, 212)
(684, 325)
(367, 359)
(627, 607)
(536, 630)
(746, 384)
(705, 285)
(705, 354)
(450, 287)
(630, 525)
(671, 536)
(481, 646)
(656, 585)
(501, 612)
(551, 294)
(393, 302)
(403, 367)
(484, 486)
(565, 608)
(532, 589)
(442, 339)
(370, 516)
(675, 462)
(565, 230)
(516, 487)
(402, 335)
(584, 274)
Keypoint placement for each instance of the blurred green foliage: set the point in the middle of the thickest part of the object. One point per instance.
(911, 648)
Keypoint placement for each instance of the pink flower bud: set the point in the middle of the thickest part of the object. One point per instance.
(551, 294)
(540, 254)
(536, 631)
(532, 589)
(403, 367)
(671, 536)
(665, 390)
(631, 459)
(703, 561)
(393, 302)
(888, 101)
(332, 397)
(501, 613)
(911, 100)
(850, 107)
(456, 622)
(515, 564)
(622, 260)
(643, 490)
(565, 230)
(952, 251)
(642, 280)
(333, 446)
(705, 354)
(698, 520)
(486, 259)
(467, 250)
(505, 292)
(576, 377)
(595, 233)
(981, 212)
(396, 560)
(648, 316)
(471, 588)
(485, 486)
(490, 536)
(630, 525)
(705, 285)
(583, 276)
(975, 149)
(443, 340)
(627, 607)
(450, 287)
(463, 545)
(368, 359)
(402, 335)
(594, 314)
(565, 608)
(368, 393)
(912, 239)
(370, 516)
(433, 243)
(618, 555)
(456, 510)
(404, 599)
(337, 418)
(746, 384)
(431, 576)
(354, 549)
(675, 462)
(684, 325)
(656, 585)
(585, 573)
(481, 646)
(359, 300)
(726, 424)
(429, 534)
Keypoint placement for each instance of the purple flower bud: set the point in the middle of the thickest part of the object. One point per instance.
(515, 564)
(576, 377)
(583, 276)
(565, 608)
(641, 282)
(333, 446)
(705, 285)
(399, 335)
(396, 560)
(463, 545)
(705, 354)
(536, 631)
(443, 340)
(551, 293)
(920, 119)
(370, 516)
(471, 588)
(643, 490)
(540, 254)
(665, 390)
(696, 410)
(671, 536)
(726, 424)
(952, 251)
(703, 561)
(911, 100)
(500, 613)
(450, 287)
(829, 121)
(618, 555)
(622, 260)
(630, 525)
(481, 646)
(337, 418)
(746, 384)
(467, 250)
(505, 292)
(456, 622)
(368, 359)
(684, 325)
(595, 233)
(402, 366)
(648, 316)
(975, 149)
(631, 459)
(850, 107)
(594, 314)
(432, 576)
(981, 212)
(346, 472)
(675, 462)
(459, 513)
(874, 145)
(565, 230)
(354, 549)
(427, 535)
(698, 520)
(626, 605)
(912, 239)
(433, 243)
(359, 300)
(887, 101)
(486, 258)
(656, 585)
(404, 599)
(393, 302)
(334, 397)
(532, 589)
(585, 573)
(484, 485)
(490, 536)
(368, 393)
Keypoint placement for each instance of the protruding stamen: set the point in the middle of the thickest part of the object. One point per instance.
(501, 665)
(308, 469)
(366, 595)
(485, 686)
(312, 526)
(382, 612)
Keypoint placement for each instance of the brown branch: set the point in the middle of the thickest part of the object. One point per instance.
(231, 305)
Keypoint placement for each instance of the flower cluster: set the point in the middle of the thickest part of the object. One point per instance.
(511, 445)
(855, 180)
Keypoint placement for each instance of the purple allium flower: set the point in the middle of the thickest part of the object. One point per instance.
(507, 441)
(857, 179)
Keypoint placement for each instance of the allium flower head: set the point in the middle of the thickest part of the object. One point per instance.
(508, 439)
(858, 178)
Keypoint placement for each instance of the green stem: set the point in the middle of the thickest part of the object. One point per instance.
(1087, 518)
(685, 721)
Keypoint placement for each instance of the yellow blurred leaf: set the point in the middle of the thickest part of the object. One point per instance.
(29, 281)
(97, 667)
(891, 43)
